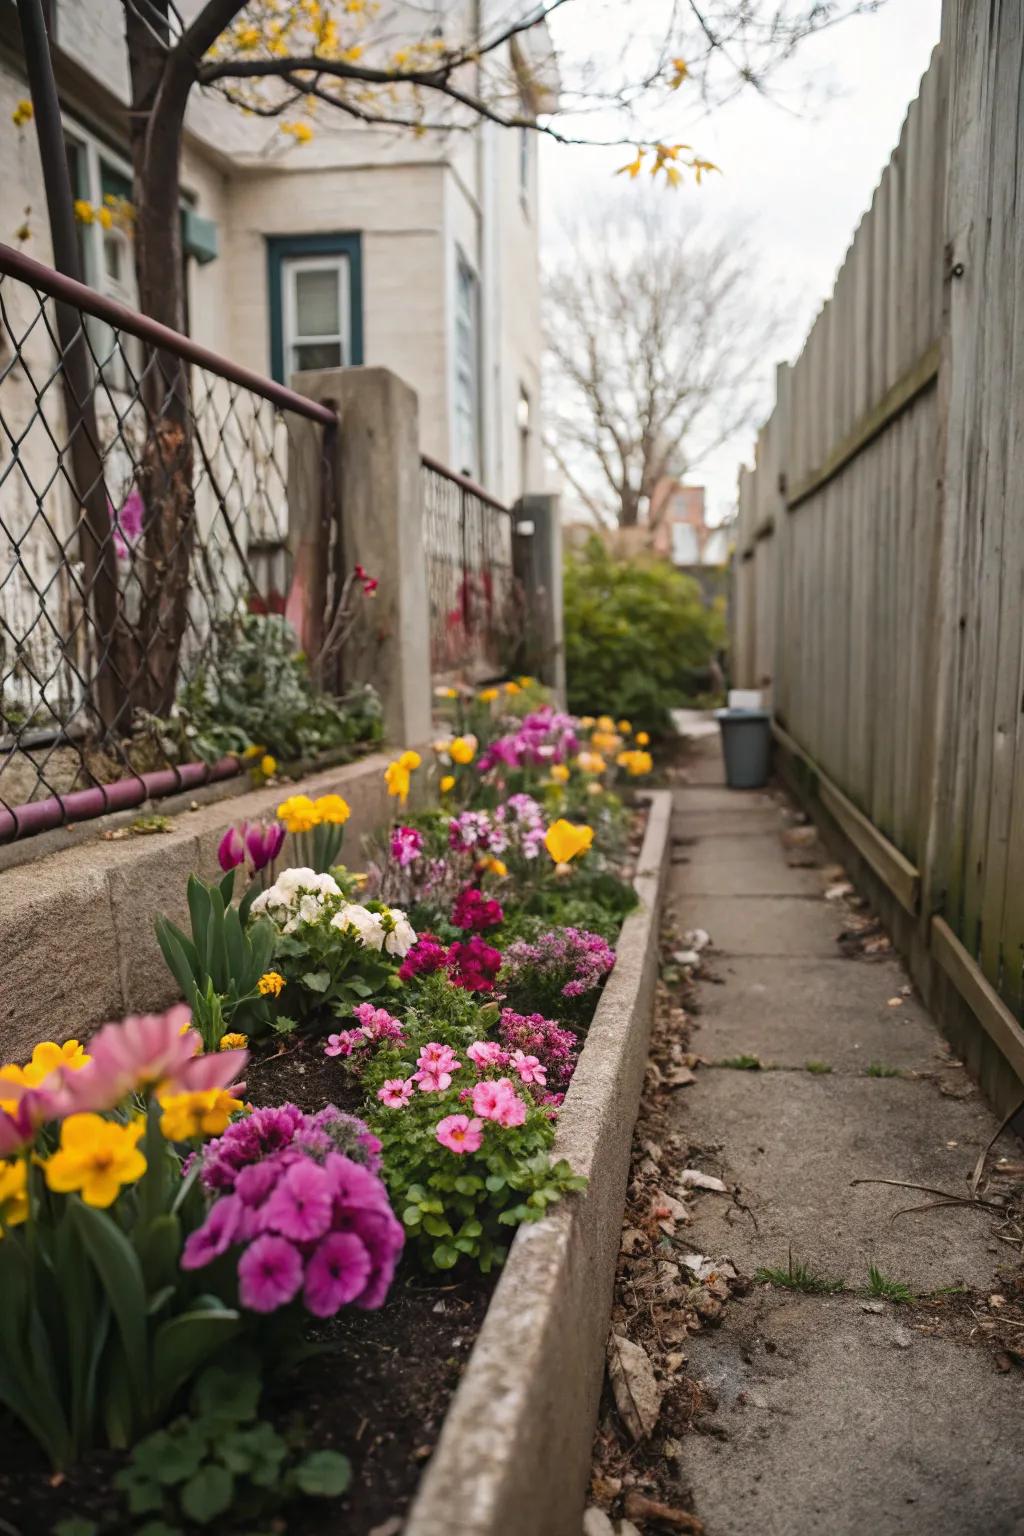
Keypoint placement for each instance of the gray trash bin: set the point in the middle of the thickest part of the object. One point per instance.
(746, 746)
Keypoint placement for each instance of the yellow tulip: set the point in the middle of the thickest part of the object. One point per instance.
(564, 840)
(462, 750)
(642, 739)
(13, 1192)
(298, 813)
(447, 783)
(332, 809)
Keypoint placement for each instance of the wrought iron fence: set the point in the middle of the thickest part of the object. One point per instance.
(144, 528)
(475, 600)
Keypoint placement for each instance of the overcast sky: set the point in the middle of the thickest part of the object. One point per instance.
(797, 179)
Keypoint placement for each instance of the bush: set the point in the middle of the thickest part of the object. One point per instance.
(635, 633)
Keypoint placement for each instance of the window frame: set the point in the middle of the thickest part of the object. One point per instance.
(464, 269)
(283, 250)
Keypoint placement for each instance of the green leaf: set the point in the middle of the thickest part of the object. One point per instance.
(316, 981)
(198, 897)
(117, 1265)
(282, 1025)
(143, 1494)
(445, 1256)
(412, 1216)
(325, 1474)
(179, 954)
(170, 1456)
(223, 1393)
(159, 1528)
(185, 1343)
(208, 1494)
(437, 1226)
(76, 1526)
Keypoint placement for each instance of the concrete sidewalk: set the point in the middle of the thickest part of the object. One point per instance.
(831, 1414)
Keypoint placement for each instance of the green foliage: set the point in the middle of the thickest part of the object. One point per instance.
(880, 1069)
(222, 1457)
(799, 1277)
(817, 1068)
(742, 1063)
(218, 967)
(636, 632)
(254, 689)
(327, 971)
(889, 1290)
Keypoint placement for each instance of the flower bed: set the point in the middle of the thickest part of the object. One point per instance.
(171, 1250)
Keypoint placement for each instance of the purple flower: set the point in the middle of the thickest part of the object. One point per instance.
(300, 1207)
(406, 845)
(263, 841)
(215, 1236)
(336, 1274)
(269, 1274)
(231, 848)
(254, 1183)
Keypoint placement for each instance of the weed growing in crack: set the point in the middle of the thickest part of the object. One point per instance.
(742, 1063)
(885, 1289)
(879, 1069)
(819, 1068)
(799, 1277)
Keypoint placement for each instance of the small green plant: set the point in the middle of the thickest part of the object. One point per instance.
(145, 826)
(889, 1290)
(799, 1277)
(879, 1069)
(818, 1068)
(223, 1457)
(742, 1063)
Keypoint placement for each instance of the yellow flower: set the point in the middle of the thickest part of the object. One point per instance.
(13, 1193)
(105, 218)
(298, 813)
(446, 693)
(251, 752)
(591, 762)
(494, 866)
(527, 682)
(447, 783)
(560, 773)
(679, 74)
(564, 840)
(332, 809)
(625, 728)
(642, 739)
(47, 1057)
(84, 211)
(594, 788)
(270, 984)
(397, 780)
(23, 113)
(513, 688)
(605, 723)
(586, 721)
(96, 1157)
(300, 132)
(606, 741)
(232, 1042)
(635, 763)
(187, 1116)
(488, 695)
(268, 765)
(410, 760)
(463, 749)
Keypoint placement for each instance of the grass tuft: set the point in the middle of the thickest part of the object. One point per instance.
(741, 1063)
(887, 1290)
(819, 1068)
(799, 1277)
(879, 1069)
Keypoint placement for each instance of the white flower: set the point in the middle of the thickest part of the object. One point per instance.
(296, 897)
(365, 925)
(290, 881)
(402, 936)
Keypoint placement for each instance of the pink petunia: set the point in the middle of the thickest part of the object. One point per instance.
(529, 1068)
(489, 1099)
(300, 1207)
(343, 1043)
(434, 1056)
(215, 1236)
(336, 1273)
(511, 1110)
(269, 1274)
(396, 1092)
(460, 1134)
(486, 1053)
(432, 1080)
(145, 1050)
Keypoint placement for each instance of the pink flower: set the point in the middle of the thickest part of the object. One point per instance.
(263, 841)
(336, 1274)
(511, 1110)
(396, 1092)
(300, 1207)
(529, 1068)
(231, 848)
(147, 1050)
(269, 1274)
(432, 1081)
(435, 1059)
(344, 1043)
(406, 845)
(486, 1053)
(215, 1236)
(378, 1024)
(490, 1098)
(460, 1134)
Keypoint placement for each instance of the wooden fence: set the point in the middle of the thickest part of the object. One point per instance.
(879, 573)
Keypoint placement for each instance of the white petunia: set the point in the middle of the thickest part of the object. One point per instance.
(402, 936)
(364, 924)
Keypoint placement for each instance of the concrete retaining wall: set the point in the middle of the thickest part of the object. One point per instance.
(515, 1453)
(77, 945)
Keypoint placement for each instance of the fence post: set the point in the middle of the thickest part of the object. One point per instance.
(537, 559)
(376, 506)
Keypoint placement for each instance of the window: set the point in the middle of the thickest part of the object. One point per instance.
(467, 368)
(101, 179)
(523, 427)
(525, 149)
(315, 302)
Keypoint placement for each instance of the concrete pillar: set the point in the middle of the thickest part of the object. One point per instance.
(378, 505)
(538, 564)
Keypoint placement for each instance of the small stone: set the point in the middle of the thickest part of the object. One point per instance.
(902, 1337)
(438, 1306)
(597, 1523)
(871, 1306)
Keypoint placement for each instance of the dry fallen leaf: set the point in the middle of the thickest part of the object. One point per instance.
(692, 1178)
(639, 1507)
(634, 1386)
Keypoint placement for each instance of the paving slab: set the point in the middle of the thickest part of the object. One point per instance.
(792, 1142)
(701, 799)
(836, 1429)
(756, 848)
(739, 821)
(844, 1013)
(758, 925)
(744, 876)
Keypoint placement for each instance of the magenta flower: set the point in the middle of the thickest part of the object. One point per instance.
(486, 1053)
(424, 958)
(529, 1068)
(510, 1109)
(336, 1274)
(473, 965)
(474, 912)
(344, 1042)
(406, 845)
(300, 1207)
(490, 1099)
(231, 848)
(269, 1274)
(263, 840)
(432, 1080)
(396, 1092)
(215, 1236)
(460, 1134)
(378, 1024)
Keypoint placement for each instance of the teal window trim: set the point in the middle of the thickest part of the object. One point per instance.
(279, 249)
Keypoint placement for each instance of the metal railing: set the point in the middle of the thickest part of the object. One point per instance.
(475, 600)
(144, 547)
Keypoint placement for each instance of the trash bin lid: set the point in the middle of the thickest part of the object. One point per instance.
(743, 714)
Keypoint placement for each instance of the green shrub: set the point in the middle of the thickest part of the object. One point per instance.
(636, 633)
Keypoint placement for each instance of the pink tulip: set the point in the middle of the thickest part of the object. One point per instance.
(263, 842)
(231, 849)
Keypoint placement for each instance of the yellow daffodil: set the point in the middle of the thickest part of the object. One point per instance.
(270, 984)
(410, 760)
(635, 763)
(96, 1158)
(488, 695)
(13, 1193)
(298, 813)
(206, 1112)
(332, 809)
(625, 727)
(233, 1042)
(591, 762)
(494, 866)
(268, 765)
(513, 688)
(560, 773)
(564, 840)
(642, 739)
(462, 750)
(447, 783)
